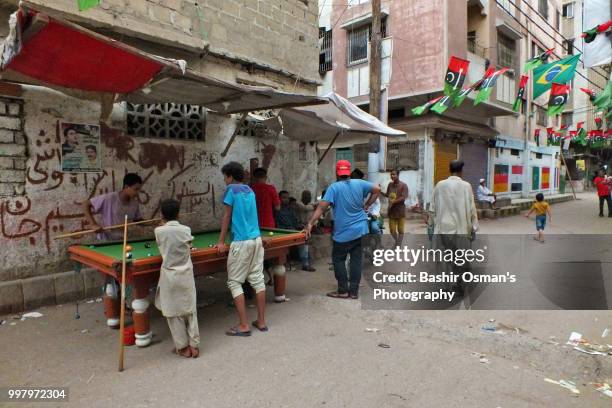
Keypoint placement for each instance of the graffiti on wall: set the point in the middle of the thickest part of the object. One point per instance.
(52, 205)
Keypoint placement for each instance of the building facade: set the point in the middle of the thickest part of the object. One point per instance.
(496, 143)
(176, 149)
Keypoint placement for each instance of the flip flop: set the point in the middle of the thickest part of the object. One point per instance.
(261, 329)
(234, 331)
(338, 295)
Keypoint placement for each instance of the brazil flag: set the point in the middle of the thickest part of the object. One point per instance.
(561, 72)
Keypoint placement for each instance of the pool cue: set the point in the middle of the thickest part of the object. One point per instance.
(122, 313)
(112, 227)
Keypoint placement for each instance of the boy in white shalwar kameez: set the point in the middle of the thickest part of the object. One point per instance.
(176, 291)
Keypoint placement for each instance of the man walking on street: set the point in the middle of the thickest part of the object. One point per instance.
(346, 196)
(603, 191)
(454, 215)
(397, 193)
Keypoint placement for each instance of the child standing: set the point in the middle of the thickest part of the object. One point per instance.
(246, 252)
(541, 209)
(176, 292)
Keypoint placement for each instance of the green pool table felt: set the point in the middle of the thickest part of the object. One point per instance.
(202, 240)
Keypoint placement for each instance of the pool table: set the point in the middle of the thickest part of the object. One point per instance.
(143, 268)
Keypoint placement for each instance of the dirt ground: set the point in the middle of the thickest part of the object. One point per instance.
(318, 352)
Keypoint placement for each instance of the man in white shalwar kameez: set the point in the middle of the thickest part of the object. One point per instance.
(484, 194)
(454, 216)
(176, 291)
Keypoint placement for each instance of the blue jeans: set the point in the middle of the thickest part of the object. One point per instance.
(375, 226)
(304, 257)
(540, 222)
(347, 281)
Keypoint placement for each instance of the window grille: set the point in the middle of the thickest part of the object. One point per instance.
(325, 53)
(166, 121)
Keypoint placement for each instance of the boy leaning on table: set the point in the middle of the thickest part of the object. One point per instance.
(246, 252)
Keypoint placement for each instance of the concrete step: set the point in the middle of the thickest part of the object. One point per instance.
(506, 211)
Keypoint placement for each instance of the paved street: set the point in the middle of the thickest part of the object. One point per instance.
(318, 352)
(570, 217)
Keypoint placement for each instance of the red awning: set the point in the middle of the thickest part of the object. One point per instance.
(62, 55)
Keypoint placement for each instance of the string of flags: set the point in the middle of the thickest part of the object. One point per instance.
(554, 76)
(590, 35)
(454, 93)
(596, 138)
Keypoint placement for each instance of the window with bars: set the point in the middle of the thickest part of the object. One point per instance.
(541, 119)
(569, 46)
(506, 51)
(543, 8)
(358, 45)
(567, 118)
(166, 121)
(325, 53)
(536, 50)
(471, 41)
(403, 156)
(358, 39)
(360, 152)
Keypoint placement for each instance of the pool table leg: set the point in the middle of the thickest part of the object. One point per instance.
(140, 311)
(280, 279)
(111, 305)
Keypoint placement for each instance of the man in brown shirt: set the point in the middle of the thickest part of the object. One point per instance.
(397, 193)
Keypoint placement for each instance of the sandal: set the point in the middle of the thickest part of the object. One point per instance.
(261, 329)
(235, 331)
(354, 296)
(338, 295)
(195, 352)
(184, 352)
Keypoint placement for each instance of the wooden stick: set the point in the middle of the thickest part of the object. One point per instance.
(568, 174)
(122, 314)
(112, 227)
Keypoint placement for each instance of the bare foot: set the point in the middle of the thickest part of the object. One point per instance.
(184, 352)
(195, 352)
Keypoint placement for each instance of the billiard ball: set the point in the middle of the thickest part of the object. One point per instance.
(211, 245)
(128, 248)
(92, 246)
(270, 233)
(149, 254)
(128, 255)
(147, 245)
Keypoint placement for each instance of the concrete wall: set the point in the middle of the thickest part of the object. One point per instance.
(50, 204)
(416, 69)
(279, 34)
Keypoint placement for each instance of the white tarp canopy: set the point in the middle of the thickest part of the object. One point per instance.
(324, 122)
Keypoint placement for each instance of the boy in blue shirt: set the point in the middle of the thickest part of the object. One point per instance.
(246, 252)
(346, 196)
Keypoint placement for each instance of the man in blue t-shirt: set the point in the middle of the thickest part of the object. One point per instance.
(246, 252)
(346, 197)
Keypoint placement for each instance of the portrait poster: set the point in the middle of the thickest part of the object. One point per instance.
(80, 149)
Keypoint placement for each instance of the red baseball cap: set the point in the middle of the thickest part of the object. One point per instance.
(343, 168)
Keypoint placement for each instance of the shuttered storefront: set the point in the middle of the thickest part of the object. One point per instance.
(445, 153)
(475, 156)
